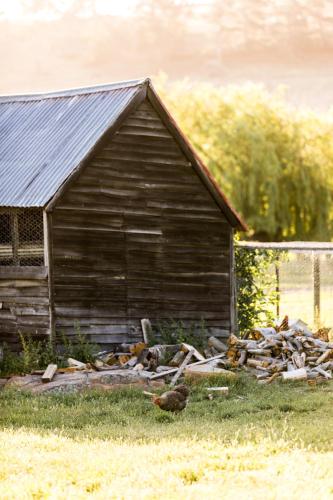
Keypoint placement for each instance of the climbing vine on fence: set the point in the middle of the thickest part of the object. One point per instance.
(255, 286)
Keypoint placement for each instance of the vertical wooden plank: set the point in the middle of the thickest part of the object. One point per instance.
(49, 251)
(232, 278)
(46, 240)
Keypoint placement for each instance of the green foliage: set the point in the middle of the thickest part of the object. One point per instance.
(79, 347)
(37, 354)
(256, 295)
(175, 332)
(274, 163)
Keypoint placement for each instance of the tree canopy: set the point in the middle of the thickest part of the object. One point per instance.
(274, 163)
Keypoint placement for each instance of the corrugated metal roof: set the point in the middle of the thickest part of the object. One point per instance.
(44, 137)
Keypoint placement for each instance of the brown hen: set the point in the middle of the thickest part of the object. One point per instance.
(175, 400)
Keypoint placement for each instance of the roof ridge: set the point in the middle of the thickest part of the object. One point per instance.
(76, 91)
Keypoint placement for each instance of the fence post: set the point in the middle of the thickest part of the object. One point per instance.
(277, 286)
(316, 288)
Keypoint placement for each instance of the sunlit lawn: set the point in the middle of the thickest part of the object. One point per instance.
(261, 442)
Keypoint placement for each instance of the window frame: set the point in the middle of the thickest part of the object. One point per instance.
(16, 246)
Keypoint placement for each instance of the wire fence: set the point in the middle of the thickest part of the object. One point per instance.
(21, 237)
(303, 277)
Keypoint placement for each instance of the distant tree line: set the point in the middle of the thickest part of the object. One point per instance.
(274, 163)
(211, 26)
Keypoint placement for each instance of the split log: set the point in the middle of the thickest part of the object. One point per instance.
(300, 374)
(255, 363)
(196, 353)
(223, 390)
(271, 378)
(323, 372)
(74, 363)
(139, 367)
(217, 344)
(207, 370)
(326, 355)
(217, 391)
(265, 332)
(49, 373)
(174, 370)
(242, 358)
(262, 352)
(147, 330)
(182, 367)
(178, 358)
(132, 362)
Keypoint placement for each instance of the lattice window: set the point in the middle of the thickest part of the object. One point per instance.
(21, 237)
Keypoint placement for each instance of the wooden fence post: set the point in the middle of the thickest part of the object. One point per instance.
(316, 288)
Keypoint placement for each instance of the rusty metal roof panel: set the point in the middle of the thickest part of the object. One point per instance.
(44, 137)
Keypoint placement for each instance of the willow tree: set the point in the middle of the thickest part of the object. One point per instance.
(275, 164)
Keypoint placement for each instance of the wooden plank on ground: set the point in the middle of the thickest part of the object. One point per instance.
(182, 366)
(49, 373)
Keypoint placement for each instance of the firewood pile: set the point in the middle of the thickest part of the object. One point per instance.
(289, 351)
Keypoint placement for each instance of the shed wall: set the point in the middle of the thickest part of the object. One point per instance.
(139, 235)
(24, 304)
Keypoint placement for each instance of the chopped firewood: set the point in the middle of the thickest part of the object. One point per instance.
(146, 330)
(290, 349)
(196, 354)
(323, 372)
(300, 374)
(139, 367)
(74, 363)
(326, 355)
(272, 377)
(322, 334)
(49, 373)
(284, 324)
(220, 390)
(257, 363)
(207, 370)
(132, 362)
(182, 366)
(174, 370)
(136, 349)
(123, 359)
(67, 369)
(217, 344)
(242, 358)
(178, 358)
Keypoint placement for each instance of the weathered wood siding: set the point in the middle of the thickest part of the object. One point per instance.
(138, 235)
(24, 304)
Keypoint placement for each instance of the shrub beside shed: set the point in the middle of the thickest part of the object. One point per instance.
(107, 216)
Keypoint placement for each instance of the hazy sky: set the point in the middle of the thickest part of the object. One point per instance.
(13, 9)
(277, 42)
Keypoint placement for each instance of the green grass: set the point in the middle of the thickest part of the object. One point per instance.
(116, 444)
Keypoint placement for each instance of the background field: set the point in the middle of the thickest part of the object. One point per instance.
(274, 441)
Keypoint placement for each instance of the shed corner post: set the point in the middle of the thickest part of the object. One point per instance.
(232, 277)
(48, 259)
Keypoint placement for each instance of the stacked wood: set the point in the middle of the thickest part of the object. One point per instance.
(289, 351)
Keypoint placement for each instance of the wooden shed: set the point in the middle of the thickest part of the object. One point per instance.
(107, 216)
